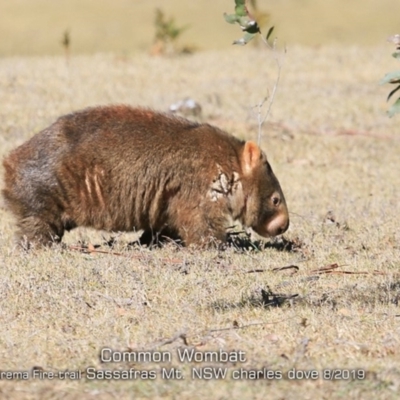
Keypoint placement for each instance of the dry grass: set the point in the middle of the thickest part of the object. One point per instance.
(35, 27)
(333, 149)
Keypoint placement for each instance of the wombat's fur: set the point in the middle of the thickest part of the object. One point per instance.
(122, 169)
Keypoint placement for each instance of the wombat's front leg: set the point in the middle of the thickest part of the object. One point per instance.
(34, 230)
(205, 228)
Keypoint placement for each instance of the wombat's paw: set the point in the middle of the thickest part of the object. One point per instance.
(157, 240)
(241, 241)
(30, 243)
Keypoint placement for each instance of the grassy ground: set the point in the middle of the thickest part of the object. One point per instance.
(336, 155)
(33, 27)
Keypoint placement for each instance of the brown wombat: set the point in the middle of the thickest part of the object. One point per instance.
(119, 168)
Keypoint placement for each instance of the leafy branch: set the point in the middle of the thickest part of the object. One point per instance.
(393, 78)
(247, 23)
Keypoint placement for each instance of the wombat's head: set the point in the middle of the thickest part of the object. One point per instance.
(265, 206)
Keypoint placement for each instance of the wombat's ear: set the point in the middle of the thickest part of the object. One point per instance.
(250, 157)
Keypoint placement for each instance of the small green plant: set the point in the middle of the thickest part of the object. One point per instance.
(66, 42)
(394, 77)
(167, 32)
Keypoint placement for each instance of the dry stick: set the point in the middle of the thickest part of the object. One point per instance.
(295, 267)
(93, 250)
(252, 271)
(261, 120)
(330, 269)
(271, 100)
(113, 253)
(253, 324)
(351, 272)
(324, 269)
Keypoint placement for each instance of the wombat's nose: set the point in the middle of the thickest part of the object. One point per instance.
(278, 225)
(283, 228)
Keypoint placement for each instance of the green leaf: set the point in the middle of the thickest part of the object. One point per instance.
(245, 20)
(270, 30)
(231, 18)
(391, 77)
(240, 9)
(392, 93)
(396, 54)
(245, 39)
(395, 109)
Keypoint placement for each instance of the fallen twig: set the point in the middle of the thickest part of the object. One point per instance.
(252, 271)
(357, 272)
(324, 270)
(295, 267)
(331, 269)
(252, 324)
(90, 249)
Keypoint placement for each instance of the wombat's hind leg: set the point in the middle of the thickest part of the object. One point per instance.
(34, 230)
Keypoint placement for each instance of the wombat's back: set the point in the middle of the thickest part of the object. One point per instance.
(135, 131)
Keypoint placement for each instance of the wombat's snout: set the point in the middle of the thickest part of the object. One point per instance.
(278, 225)
(280, 222)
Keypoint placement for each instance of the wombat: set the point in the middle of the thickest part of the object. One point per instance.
(119, 168)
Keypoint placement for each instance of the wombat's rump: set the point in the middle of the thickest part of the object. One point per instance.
(119, 168)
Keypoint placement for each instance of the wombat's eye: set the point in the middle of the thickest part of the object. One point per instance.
(276, 201)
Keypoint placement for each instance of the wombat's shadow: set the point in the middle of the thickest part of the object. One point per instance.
(244, 243)
(239, 241)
